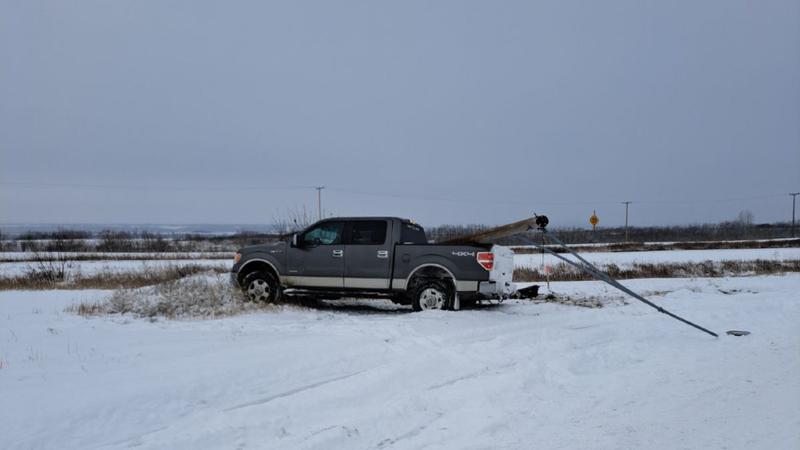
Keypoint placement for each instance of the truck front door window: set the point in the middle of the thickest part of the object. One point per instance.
(328, 233)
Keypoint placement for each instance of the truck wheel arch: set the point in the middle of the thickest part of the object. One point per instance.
(430, 270)
(426, 273)
(433, 265)
(257, 264)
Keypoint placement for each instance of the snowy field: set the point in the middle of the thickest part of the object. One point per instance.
(27, 256)
(519, 375)
(624, 259)
(93, 267)
(621, 259)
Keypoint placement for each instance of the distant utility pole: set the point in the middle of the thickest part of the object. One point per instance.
(319, 201)
(794, 197)
(626, 219)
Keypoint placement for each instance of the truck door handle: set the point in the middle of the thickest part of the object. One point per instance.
(338, 253)
(383, 253)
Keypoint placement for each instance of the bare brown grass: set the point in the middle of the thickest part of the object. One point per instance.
(656, 246)
(564, 272)
(106, 279)
(36, 257)
(196, 297)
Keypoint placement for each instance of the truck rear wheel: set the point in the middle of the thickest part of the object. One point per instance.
(261, 287)
(431, 294)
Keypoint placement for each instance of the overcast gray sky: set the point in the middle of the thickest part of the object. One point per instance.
(445, 112)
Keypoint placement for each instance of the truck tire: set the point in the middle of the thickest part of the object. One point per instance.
(431, 293)
(261, 287)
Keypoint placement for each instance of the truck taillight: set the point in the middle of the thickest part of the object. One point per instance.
(486, 260)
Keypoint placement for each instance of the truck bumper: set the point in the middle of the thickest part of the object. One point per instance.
(491, 289)
(487, 288)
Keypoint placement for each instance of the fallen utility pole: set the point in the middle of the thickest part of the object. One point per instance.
(540, 223)
(598, 274)
(491, 235)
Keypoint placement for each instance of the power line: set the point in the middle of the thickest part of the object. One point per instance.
(548, 202)
(420, 197)
(709, 200)
(25, 184)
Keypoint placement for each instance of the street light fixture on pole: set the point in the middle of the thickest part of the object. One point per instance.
(626, 219)
(319, 201)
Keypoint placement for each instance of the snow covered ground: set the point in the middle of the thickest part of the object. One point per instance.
(517, 375)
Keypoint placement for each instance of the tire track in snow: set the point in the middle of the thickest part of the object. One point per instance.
(388, 442)
(291, 392)
(135, 440)
(483, 372)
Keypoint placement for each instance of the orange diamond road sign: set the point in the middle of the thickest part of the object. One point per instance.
(594, 220)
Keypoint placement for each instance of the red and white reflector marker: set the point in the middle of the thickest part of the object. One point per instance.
(486, 260)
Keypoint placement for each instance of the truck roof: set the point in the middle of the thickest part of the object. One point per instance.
(368, 218)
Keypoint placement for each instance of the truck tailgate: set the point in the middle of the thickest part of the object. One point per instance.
(502, 272)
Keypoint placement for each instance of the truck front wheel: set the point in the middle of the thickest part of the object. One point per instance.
(261, 287)
(431, 294)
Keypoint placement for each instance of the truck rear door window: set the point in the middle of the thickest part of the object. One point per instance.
(368, 232)
(412, 234)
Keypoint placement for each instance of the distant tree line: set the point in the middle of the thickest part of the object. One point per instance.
(71, 240)
(724, 231)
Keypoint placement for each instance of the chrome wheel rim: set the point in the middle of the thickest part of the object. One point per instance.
(258, 291)
(431, 298)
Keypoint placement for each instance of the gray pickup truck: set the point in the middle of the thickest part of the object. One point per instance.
(374, 257)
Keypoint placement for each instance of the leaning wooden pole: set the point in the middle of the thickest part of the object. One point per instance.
(598, 274)
(493, 234)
